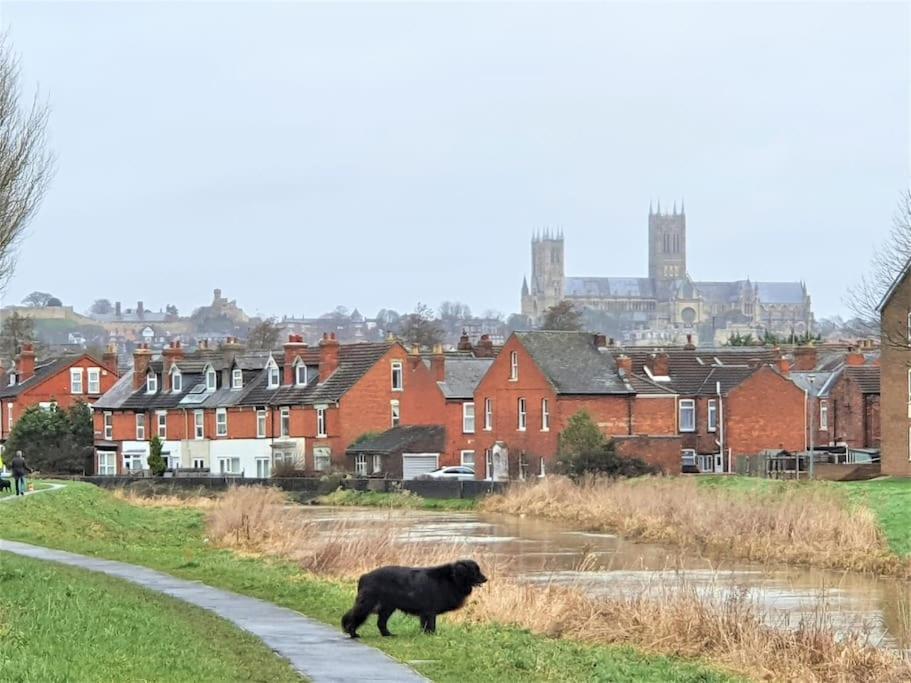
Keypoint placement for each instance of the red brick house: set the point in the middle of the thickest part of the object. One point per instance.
(239, 412)
(62, 381)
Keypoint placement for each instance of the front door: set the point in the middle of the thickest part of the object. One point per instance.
(719, 463)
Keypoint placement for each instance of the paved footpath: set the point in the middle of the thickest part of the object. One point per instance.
(318, 652)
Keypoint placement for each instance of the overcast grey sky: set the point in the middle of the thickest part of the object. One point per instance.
(301, 156)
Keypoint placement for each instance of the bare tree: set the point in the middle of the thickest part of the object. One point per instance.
(888, 261)
(264, 336)
(38, 299)
(26, 165)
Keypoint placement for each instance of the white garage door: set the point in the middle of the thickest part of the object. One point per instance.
(416, 464)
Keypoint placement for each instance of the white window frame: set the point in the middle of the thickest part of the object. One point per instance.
(322, 459)
(273, 376)
(237, 378)
(711, 418)
(260, 424)
(824, 415)
(522, 407)
(199, 425)
(230, 460)
(513, 366)
(9, 415)
(268, 467)
(211, 379)
(151, 383)
(468, 418)
(199, 463)
(321, 422)
(140, 426)
(108, 425)
(221, 422)
(360, 464)
(161, 417)
(176, 380)
(93, 379)
(398, 375)
(300, 373)
(462, 459)
(377, 463)
(688, 457)
(545, 415)
(12, 379)
(395, 413)
(690, 405)
(107, 466)
(488, 414)
(76, 386)
(284, 423)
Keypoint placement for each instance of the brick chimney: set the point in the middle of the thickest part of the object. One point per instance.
(293, 348)
(414, 356)
(230, 347)
(689, 346)
(140, 310)
(25, 367)
(600, 341)
(659, 364)
(110, 359)
(804, 358)
(625, 363)
(854, 357)
(142, 358)
(171, 354)
(484, 349)
(464, 342)
(328, 356)
(782, 365)
(438, 363)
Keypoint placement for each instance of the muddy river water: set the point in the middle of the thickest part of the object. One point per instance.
(549, 551)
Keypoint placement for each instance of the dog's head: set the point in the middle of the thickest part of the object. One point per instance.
(467, 574)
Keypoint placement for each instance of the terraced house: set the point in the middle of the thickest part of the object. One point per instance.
(238, 412)
(60, 381)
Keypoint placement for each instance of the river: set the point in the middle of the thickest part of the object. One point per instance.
(548, 551)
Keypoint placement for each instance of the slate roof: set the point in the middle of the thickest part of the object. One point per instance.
(643, 385)
(598, 287)
(463, 374)
(43, 370)
(781, 292)
(695, 373)
(866, 377)
(572, 362)
(404, 439)
(822, 382)
(720, 292)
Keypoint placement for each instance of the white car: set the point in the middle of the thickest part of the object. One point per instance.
(452, 473)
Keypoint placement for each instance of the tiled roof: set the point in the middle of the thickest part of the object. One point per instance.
(643, 385)
(572, 362)
(600, 287)
(866, 377)
(43, 370)
(695, 373)
(463, 375)
(404, 439)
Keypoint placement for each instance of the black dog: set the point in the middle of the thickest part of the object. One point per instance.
(4, 484)
(425, 593)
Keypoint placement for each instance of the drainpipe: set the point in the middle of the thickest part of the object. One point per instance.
(721, 425)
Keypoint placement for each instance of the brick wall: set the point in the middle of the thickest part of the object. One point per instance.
(894, 363)
(764, 411)
(661, 451)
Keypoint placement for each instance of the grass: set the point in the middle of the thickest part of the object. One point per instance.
(404, 499)
(84, 519)
(64, 624)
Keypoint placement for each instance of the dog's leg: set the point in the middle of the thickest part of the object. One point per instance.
(382, 618)
(363, 607)
(429, 623)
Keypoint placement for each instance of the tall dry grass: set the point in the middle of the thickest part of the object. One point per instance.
(791, 524)
(674, 622)
(148, 499)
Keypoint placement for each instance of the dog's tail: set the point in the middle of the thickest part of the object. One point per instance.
(346, 619)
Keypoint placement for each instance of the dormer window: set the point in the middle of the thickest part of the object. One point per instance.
(237, 378)
(176, 380)
(300, 373)
(274, 377)
(151, 383)
(211, 379)
(12, 379)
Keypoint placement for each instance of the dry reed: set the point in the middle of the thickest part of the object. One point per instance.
(790, 524)
(153, 500)
(674, 622)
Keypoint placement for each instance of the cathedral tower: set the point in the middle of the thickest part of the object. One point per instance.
(547, 275)
(666, 244)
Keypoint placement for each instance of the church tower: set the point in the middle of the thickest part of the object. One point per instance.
(666, 244)
(547, 275)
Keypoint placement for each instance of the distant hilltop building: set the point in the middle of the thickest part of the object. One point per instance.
(668, 300)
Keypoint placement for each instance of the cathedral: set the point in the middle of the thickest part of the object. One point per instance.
(668, 304)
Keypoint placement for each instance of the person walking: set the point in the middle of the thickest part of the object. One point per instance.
(19, 467)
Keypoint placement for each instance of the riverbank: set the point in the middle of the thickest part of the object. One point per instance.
(84, 519)
(64, 624)
(404, 500)
(861, 526)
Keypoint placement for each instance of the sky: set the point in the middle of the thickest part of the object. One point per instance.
(302, 156)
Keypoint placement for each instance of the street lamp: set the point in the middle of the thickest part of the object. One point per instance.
(812, 380)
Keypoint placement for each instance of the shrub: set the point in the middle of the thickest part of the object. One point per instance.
(603, 461)
(157, 465)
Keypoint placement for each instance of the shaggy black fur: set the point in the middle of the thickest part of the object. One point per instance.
(424, 593)
(4, 484)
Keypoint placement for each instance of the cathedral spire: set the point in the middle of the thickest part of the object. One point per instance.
(659, 207)
(682, 209)
(675, 207)
(524, 286)
(650, 210)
